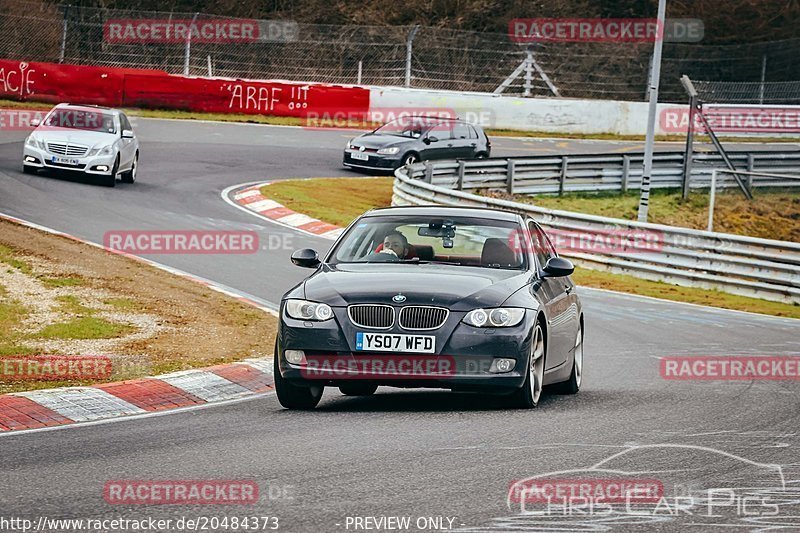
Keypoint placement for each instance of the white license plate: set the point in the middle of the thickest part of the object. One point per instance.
(392, 342)
(65, 160)
(359, 156)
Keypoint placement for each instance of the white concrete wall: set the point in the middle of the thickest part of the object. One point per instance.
(555, 115)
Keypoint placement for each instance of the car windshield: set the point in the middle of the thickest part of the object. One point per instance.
(81, 119)
(412, 127)
(463, 241)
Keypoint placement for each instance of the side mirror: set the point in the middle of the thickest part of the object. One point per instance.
(35, 122)
(432, 139)
(306, 258)
(558, 267)
(127, 134)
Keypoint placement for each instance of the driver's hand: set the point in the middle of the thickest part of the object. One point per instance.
(388, 251)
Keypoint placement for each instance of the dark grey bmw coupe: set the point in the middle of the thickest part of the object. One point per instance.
(446, 297)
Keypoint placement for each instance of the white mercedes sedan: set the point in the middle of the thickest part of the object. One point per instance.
(89, 139)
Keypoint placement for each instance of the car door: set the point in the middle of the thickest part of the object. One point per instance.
(128, 145)
(463, 146)
(560, 301)
(442, 147)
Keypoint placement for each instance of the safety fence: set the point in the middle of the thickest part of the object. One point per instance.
(603, 172)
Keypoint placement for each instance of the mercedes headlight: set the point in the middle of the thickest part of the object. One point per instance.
(305, 310)
(107, 150)
(389, 151)
(499, 317)
(35, 141)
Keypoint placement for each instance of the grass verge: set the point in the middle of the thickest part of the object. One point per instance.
(296, 121)
(770, 215)
(61, 297)
(330, 200)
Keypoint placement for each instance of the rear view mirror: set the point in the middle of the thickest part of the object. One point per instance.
(558, 267)
(35, 122)
(444, 229)
(306, 258)
(127, 134)
(432, 139)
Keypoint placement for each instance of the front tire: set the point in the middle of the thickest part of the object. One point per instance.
(358, 389)
(111, 180)
(409, 159)
(527, 397)
(292, 396)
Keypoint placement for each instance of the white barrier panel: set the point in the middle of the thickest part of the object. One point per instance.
(555, 115)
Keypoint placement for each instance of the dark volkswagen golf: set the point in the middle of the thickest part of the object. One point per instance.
(445, 297)
(411, 139)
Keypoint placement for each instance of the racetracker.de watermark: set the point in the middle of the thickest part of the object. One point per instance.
(739, 119)
(144, 31)
(568, 490)
(378, 367)
(181, 492)
(20, 119)
(182, 242)
(402, 118)
(55, 367)
(730, 368)
(604, 30)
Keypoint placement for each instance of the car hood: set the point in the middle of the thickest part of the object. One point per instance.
(459, 288)
(69, 135)
(375, 140)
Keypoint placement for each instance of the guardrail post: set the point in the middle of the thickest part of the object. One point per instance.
(510, 176)
(563, 177)
(626, 170)
(460, 182)
(751, 164)
(428, 172)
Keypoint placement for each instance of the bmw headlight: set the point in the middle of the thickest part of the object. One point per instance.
(305, 310)
(499, 317)
(389, 151)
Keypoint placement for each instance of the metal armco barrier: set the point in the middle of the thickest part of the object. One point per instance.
(601, 172)
(747, 266)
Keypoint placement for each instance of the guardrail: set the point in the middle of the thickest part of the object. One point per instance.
(602, 172)
(748, 266)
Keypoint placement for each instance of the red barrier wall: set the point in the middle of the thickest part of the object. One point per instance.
(110, 86)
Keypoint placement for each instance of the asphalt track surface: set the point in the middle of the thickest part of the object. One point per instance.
(401, 453)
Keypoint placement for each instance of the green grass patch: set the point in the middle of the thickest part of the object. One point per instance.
(334, 200)
(54, 282)
(84, 328)
(123, 304)
(9, 257)
(770, 215)
(71, 304)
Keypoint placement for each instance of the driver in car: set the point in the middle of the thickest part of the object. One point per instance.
(395, 246)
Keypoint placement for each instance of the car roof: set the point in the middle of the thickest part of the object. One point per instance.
(88, 107)
(432, 121)
(437, 210)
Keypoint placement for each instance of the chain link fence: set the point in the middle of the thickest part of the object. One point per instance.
(439, 58)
